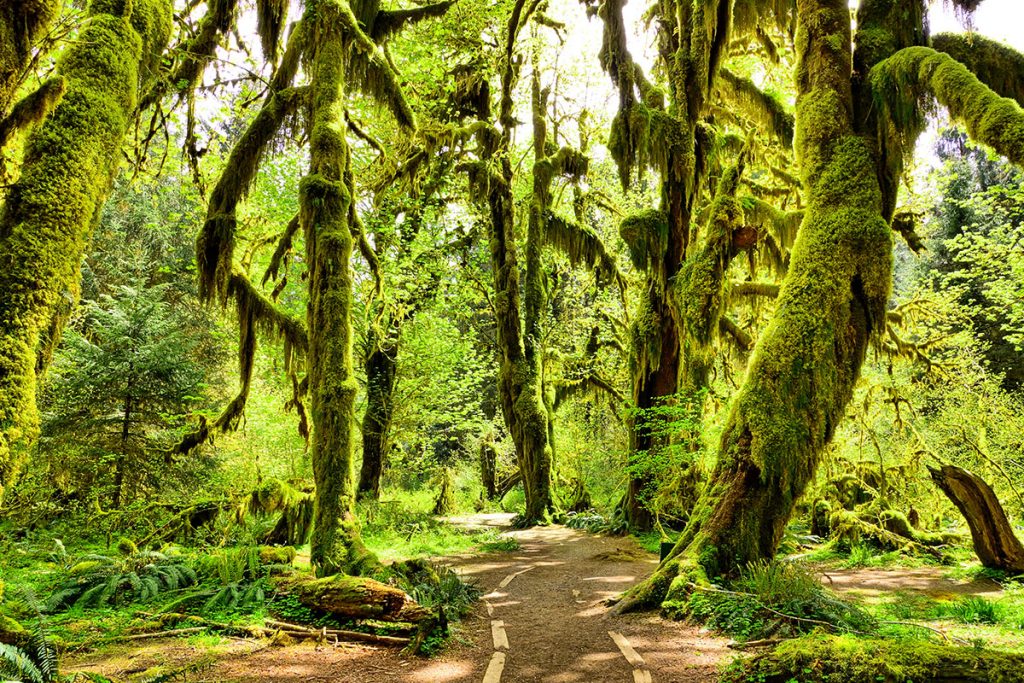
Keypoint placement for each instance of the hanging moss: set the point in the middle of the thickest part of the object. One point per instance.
(389, 22)
(646, 236)
(270, 16)
(216, 240)
(274, 496)
(195, 55)
(765, 110)
(69, 165)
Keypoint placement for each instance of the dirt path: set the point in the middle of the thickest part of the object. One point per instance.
(542, 621)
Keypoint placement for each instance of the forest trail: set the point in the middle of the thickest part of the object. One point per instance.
(542, 620)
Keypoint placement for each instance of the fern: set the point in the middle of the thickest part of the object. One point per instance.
(94, 580)
(16, 665)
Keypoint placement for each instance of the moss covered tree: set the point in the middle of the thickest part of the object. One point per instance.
(861, 101)
(337, 44)
(69, 164)
(671, 133)
(520, 306)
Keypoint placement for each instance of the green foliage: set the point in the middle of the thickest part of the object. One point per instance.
(974, 609)
(444, 588)
(125, 378)
(822, 658)
(770, 595)
(93, 580)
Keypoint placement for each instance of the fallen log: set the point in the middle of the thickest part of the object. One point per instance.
(353, 597)
(994, 541)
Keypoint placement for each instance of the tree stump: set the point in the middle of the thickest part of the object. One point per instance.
(994, 541)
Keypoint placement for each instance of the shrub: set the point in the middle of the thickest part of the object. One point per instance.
(974, 609)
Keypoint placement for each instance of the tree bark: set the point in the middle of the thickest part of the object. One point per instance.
(488, 457)
(804, 367)
(326, 214)
(381, 368)
(994, 540)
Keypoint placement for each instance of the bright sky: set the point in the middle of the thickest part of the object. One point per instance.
(998, 19)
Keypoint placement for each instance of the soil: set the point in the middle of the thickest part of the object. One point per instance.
(871, 583)
(551, 610)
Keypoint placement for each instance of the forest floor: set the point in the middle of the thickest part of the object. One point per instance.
(542, 620)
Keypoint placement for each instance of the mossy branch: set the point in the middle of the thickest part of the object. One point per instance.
(216, 241)
(998, 66)
(390, 22)
(371, 72)
(283, 248)
(907, 82)
(582, 246)
(196, 54)
(32, 109)
(765, 110)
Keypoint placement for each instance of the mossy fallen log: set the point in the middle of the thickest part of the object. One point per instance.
(353, 597)
(843, 659)
(994, 541)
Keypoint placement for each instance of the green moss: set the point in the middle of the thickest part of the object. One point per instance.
(906, 82)
(838, 659)
(646, 236)
(69, 165)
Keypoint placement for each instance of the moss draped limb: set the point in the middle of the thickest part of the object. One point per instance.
(195, 55)
(69, 165)
(998, 66)
(216, 240)
(32, 109)
(906, 82)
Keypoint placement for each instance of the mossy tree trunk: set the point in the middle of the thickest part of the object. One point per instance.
(21, 25)
(69, 166)
(520, 383)
(692, 38)
(381, 371)
(326, 215)
(803, 369)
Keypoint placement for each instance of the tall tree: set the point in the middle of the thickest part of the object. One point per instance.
(859, 111)
(675, 137)
(336, 42)
(68, 167)
(520, 310)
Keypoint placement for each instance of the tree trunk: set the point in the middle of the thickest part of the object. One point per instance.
(21, 25)
(520, 356)
(381, 367)
(488, 468)
(994, 541)
(326, 214)
(804, 367)
(69, 165)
